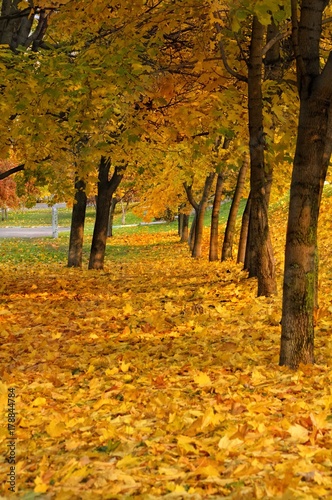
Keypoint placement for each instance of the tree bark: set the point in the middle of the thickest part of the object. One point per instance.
(213, 255)
(312, 156)
(25, 27)
(114, 201)
(75, 252)
(244, 232)
(197, 249)
(11, 171)
(180, 222)
(260, 247)
(227, 247)
(191, 239)
(106, 189)
(185, 228)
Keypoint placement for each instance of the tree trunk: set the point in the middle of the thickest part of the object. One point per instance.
(231, 221)
(75, 251)
(194, 204)
(191, 239)
(16, 25)
(106, 188)
(312, 156)
(114, 202)
(185, 228)
(124, 208)
(244, 232)
(180, 222)
(197, 250)
(213, 255)
(260, 247)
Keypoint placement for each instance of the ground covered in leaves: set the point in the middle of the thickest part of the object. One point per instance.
(157, 378)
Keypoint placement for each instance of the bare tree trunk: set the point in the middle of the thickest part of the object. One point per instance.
(197, 250)
(244, 232)
(180, 222)
(231, 221)
(106, 188)
(124, 208)
(75, 252)
(262, 260)
(114, 202)
(312, 157)
(213, 255)
(185, 229)
(191, 239)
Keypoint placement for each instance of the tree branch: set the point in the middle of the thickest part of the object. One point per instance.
(190, 196)
(322, 87)
(11, 171)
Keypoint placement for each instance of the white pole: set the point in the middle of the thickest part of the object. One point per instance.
(55, 227)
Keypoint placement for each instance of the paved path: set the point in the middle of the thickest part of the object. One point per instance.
(46, 231)
(28, 232)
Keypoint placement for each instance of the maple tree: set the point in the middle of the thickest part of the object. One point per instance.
(8, 194)
(311, 161)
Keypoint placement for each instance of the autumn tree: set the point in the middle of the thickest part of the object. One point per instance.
(312, 157)
(8, 194)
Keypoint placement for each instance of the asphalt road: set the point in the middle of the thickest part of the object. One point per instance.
(28, 232)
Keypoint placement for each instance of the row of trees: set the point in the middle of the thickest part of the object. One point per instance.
(159, 93)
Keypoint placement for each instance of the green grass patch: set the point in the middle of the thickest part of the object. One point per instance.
(15, 251)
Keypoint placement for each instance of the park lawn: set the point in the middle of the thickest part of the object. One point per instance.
(158, 377)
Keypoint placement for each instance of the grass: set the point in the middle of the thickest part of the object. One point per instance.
(17, 251)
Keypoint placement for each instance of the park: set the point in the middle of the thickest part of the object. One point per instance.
(165, 292)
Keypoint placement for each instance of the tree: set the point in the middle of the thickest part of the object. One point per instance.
(227, 247)
(75, 252)
(8, 195)
(312, 157)
(106, 188)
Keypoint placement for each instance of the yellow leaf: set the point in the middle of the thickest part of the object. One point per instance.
(73, 444)
(40, 487)
(39, 402)
(208, 471)
(111, 371)
(127, 461)
(202, 380)
(101, 402)
(225, 443)
(55, 428)
(128, 309)
(124, 367)
(298, 433)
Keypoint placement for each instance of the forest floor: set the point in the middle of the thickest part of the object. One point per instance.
(158, 377)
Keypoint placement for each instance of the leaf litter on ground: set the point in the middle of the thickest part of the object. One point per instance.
(159, 377)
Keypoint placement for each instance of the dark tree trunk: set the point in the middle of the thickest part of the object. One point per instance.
(191, 239)
(197, 250)
(114, 202)
(194, 204)
(231, 221)
(4, 214)
(22, 26)
(260, 247)
(106, 189)
(244, 232)
(273, 62)
(75, 251)
(185, 228)
(312, 156)
(180, 222)
(213, 255)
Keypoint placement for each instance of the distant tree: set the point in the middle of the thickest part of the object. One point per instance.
(8, 194)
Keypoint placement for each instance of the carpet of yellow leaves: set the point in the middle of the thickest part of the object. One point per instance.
(158, 378)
